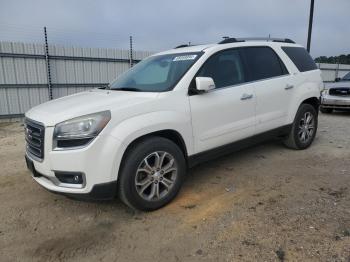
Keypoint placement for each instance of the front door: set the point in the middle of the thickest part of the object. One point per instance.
(227, 113)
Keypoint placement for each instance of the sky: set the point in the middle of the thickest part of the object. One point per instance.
(158, 25)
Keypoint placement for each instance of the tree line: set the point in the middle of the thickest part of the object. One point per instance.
(341, 59)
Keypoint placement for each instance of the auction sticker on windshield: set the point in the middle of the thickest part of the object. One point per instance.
(184, 57)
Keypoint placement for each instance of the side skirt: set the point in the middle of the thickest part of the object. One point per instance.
(280, 132)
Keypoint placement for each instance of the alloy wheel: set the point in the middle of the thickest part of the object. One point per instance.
(156, 175)
(306, 127)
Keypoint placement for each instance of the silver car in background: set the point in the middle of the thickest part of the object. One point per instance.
(336, 96)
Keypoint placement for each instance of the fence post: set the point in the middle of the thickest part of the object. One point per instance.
(311, 17)
(337, 70)
(131, 53)
(48, 71)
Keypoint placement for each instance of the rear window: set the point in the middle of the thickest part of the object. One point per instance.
(263, 63)
(300, 58)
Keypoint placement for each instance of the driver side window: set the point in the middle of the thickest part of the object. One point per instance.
(225, 68)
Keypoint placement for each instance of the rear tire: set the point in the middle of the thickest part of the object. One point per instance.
(326, 110)
(152, 173)
(304, 128)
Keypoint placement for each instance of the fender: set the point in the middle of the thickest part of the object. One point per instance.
(135, 127)
(305, 91)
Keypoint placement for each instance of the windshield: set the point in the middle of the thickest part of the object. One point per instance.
(156, 73)
(346, 77)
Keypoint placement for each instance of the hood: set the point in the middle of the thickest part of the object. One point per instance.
(337, 84)
(96, 100)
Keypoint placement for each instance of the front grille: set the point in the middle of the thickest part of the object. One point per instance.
(34, 135)
(339, 91)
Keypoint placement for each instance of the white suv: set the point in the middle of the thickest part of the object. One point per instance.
(137, 137)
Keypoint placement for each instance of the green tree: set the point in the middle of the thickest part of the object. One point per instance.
(342, 59)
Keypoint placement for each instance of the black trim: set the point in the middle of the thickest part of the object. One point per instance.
(104, 191)
(35, 138)
(69, 177)
(286, 40)
(30, 166)
(229, 40)
(280, 132)
(185, 45)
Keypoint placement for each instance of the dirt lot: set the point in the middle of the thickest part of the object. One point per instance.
(265, 203)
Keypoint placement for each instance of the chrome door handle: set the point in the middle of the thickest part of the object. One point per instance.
(246, 96)
(288, 86)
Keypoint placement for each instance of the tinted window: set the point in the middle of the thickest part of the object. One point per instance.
(225, 68)
(263, 63)
(300, 58)
(346, 77)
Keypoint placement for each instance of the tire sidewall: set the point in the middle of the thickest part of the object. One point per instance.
(302, 110)
(132, 162)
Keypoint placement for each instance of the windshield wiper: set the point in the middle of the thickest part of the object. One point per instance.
(126, 89)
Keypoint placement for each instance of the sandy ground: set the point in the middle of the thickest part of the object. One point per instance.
(266, 203)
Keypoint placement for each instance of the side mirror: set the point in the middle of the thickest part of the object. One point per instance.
(337, 79)
(205, 84)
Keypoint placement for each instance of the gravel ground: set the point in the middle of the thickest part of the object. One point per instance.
(265, 203)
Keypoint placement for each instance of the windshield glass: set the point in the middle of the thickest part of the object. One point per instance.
(156, 73)
(346, 77)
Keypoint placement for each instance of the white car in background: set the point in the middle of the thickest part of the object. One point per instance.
(177, 108)
(336, 96)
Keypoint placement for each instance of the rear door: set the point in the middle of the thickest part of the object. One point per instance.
(273, 86)
(227, 113)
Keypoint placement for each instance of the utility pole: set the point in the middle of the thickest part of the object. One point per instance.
(311, 16)
(131, 54)
(48, 71)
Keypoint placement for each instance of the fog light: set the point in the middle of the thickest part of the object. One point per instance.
(70, 177)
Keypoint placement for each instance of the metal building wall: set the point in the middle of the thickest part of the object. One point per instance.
(331, 71)
(16, 74)
(23, 74)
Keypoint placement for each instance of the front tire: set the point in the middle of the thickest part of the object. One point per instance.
(304, 128)
(152, 173)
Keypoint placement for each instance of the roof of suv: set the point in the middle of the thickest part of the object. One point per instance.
(199, 48)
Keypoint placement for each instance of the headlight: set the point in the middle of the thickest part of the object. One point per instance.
(79, 131)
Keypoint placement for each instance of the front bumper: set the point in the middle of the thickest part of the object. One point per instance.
(98, 162)
(104, 191)
(335, 102)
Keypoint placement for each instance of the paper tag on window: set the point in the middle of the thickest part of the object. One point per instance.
(184, 57)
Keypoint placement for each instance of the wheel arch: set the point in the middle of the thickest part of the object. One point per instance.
(314, 101)
(310, 99)
(170, 134)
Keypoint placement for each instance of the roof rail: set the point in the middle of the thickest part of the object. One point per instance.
(185, 45)
(234, 40)
(228, 40)
(181, 46)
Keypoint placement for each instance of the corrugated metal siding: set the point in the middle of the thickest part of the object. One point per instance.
(30, 73)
